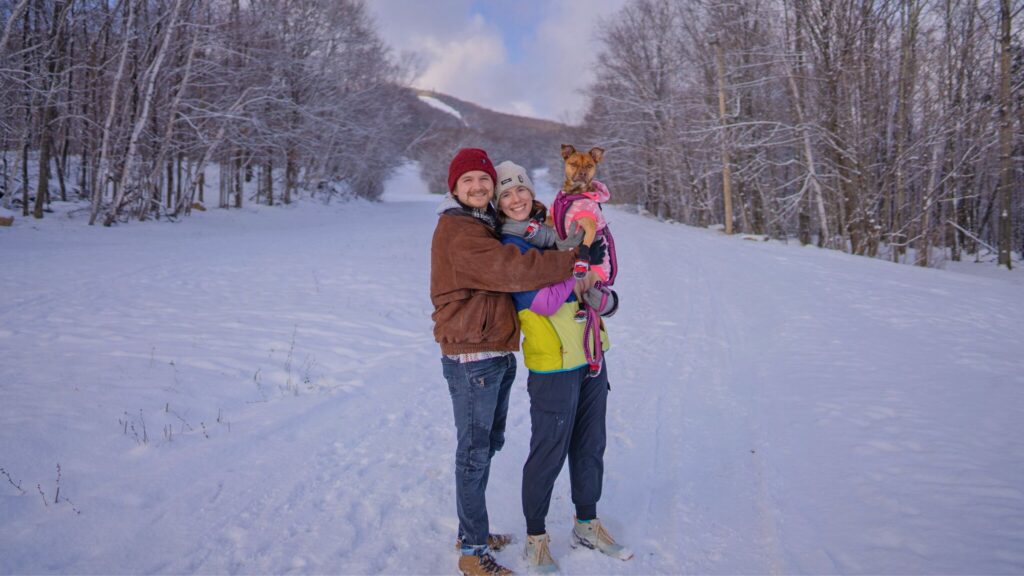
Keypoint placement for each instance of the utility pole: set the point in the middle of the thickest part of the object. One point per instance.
(726, 171)
(1005, 139)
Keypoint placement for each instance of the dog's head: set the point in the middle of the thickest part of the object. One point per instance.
(580, 167)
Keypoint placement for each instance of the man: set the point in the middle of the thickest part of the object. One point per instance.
(475, 322)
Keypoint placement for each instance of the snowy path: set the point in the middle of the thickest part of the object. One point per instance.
(774, 409)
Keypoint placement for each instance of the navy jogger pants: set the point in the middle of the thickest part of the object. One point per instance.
(567, 415)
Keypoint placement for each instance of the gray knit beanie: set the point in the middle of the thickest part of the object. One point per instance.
(511, 175)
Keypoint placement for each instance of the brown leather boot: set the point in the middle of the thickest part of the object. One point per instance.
(484, 565)
(494, 541)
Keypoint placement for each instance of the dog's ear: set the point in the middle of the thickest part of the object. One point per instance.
(597, 154)
(567, 150)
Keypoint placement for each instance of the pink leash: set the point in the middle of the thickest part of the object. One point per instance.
(592, 345)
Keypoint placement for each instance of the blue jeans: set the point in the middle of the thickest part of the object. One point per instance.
(480, 392)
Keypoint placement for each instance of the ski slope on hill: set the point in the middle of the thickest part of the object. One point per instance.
(258, 391)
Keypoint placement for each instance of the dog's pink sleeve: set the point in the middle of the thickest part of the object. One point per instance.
(584, 208)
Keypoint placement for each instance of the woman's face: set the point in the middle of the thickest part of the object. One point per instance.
(516, 202)
(475, 189)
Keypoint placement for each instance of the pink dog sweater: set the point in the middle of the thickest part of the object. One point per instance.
(588, 207)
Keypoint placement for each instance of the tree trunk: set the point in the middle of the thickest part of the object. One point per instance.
(55, 42)
(167, 141)
(177, 189)
(170, 184)
(83, 174)
(7, 174)
(289, 177)
(24, 178)
(236, 179)
(62, 161)
(43, 185)
(147, 99)
(103, 170)
(924, 243)
(222, 186)
(270, 181)
(811, 180)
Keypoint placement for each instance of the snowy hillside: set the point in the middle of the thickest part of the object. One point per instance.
(258, 391)
(435, 103)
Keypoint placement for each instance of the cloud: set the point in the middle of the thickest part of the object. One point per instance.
(522, 108)
(466, 64)
(526, 57)
(565, 53)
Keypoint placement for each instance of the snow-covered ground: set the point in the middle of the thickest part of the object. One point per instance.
(257, 391)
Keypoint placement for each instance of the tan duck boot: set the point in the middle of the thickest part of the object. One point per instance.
(538, 555)
(494, 541)
(593, 535)
(482, 565)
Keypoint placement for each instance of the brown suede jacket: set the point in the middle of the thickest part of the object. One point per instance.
(471, 276)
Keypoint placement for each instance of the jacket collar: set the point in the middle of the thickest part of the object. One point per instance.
(450, 205)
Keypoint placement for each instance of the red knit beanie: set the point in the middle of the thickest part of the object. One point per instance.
(467, 160)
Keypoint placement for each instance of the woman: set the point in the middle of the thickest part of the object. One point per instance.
(475, 322)
(567, 404)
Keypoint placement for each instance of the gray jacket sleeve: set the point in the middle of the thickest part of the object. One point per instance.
(544, 237)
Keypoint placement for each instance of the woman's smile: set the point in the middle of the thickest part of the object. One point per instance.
(516, 202)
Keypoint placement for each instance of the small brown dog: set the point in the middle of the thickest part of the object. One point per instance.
(580, 168)
(579, 202)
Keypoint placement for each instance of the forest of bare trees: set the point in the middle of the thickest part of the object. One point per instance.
(129, 103)
(888, 128)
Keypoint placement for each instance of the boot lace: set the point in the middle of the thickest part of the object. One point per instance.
(491, 566)
(498, 541)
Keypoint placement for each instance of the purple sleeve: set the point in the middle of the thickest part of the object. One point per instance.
(550, 298)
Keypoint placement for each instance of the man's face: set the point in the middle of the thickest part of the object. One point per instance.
(475, 189)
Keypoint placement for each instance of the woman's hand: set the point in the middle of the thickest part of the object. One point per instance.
(573, 239)
(594, 297)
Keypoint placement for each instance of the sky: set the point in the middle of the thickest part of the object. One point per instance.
(526, 57)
